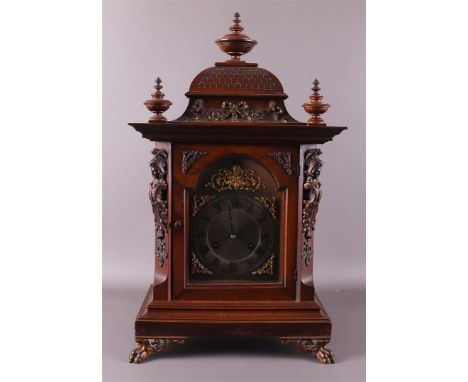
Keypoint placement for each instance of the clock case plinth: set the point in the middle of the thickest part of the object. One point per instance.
(235, 108)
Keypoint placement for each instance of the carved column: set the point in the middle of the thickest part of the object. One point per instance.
(158, 198)
(312, 196)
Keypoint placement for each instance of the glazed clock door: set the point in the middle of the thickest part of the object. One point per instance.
(236, 213)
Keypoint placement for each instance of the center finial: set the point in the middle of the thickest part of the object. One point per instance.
(235, 43)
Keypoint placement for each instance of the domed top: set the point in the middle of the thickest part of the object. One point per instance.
(238, 79)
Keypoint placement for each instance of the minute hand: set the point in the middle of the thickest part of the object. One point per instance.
(233, 235)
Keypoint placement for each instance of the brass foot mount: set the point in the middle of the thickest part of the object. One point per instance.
(315, 346)
(146, 346)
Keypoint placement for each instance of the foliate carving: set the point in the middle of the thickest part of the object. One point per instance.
(312, 196)
(198, 267)
(230, 111)
(235, 112)
(146, 346)
(275, 110)
(236, 178)
(269, 202)
(189, 158)
(266, 269)
(196, 111)
(199, 201)
(284, 159)
(316, 346)
(158, 198)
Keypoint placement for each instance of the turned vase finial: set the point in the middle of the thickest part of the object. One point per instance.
(315, 107)
(235, 43)
(157, 104)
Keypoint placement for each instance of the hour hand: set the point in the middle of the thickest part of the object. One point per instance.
(232, 235)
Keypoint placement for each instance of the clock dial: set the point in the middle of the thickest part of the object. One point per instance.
(233, 235)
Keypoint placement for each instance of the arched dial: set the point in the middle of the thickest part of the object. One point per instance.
(233, 235)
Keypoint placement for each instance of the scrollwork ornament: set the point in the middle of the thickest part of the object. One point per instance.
(275, 110)
(189, 158)
(269, 202)
(236, 178)
(199, 201)
(284, 159)
(266, 269)
(198, 267)
(158, 198)
(312, 196)
(235, 111)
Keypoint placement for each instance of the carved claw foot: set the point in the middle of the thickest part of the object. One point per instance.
(151, 345)
(140, 353)
(316, 347)
(323, 354)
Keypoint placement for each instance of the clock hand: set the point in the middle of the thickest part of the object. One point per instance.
(233, 235)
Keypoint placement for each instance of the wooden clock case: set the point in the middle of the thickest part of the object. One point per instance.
(235, 110)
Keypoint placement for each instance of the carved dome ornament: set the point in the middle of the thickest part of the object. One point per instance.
(237, 91)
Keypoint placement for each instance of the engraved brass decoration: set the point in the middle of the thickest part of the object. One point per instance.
(230, 111)
(312, 196)
(276, 111)
(235, 112)
(236, 178)
(269, 202)
(158, 198)
(199, 201)
(189, 158)
(266, 269)
(198, 267)
(316, 346)
(146, 346)
(284, 159)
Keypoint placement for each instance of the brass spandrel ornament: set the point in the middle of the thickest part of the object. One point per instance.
(265, 269)
(236, 178)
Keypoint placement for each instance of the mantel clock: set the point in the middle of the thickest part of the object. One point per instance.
(235, 194)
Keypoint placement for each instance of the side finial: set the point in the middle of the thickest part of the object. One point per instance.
(235, 43)
(315, 107)
(157, 104)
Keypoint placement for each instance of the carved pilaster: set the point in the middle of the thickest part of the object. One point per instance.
(189, 158)
(312, 196)
(158, 198)
(284, 159)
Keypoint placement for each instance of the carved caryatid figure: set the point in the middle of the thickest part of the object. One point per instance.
(158, 198)
(313, 194)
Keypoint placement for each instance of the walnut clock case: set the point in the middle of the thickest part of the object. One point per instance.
(235, 194)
